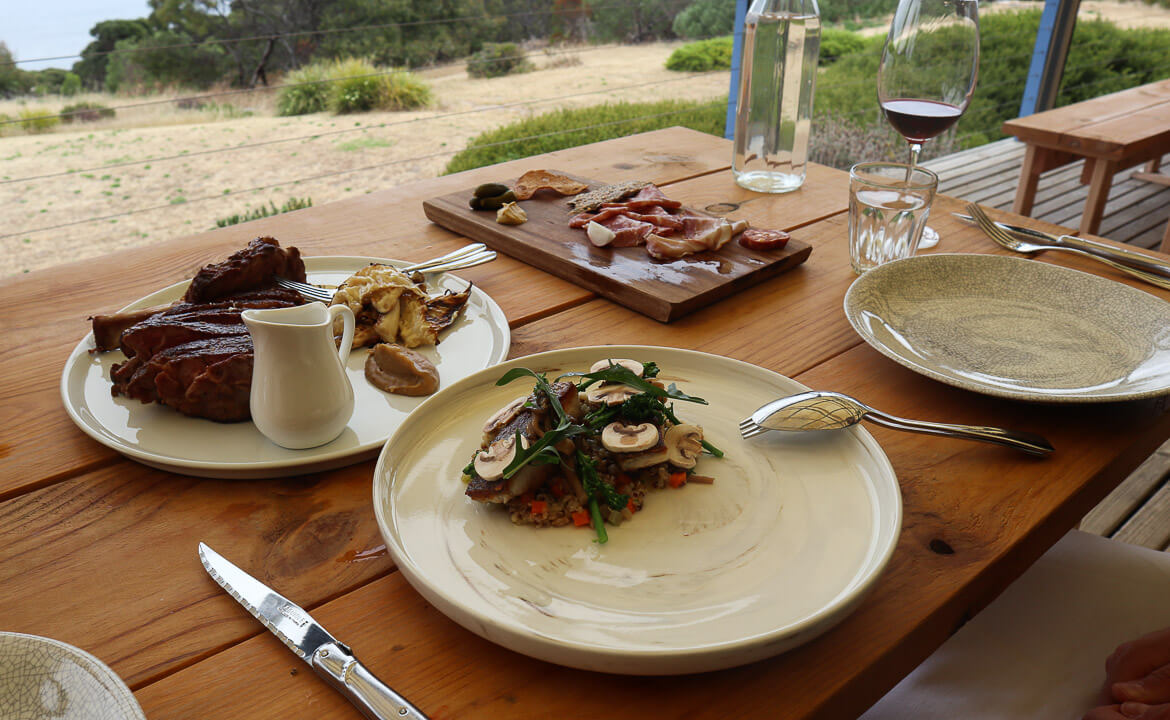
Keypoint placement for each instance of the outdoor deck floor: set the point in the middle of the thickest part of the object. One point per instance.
(1138, 511)
(1136, 213)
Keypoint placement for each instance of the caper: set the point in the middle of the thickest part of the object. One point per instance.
(490, 190)
(493, 203)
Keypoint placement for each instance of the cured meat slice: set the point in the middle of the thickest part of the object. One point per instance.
(701, 234)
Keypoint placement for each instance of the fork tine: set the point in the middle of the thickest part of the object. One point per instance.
(310, 291)
(995, 232)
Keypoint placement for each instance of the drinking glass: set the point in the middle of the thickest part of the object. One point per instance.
(888, 207)
(928, 70)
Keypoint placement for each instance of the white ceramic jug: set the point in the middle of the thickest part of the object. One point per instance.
(301, 396)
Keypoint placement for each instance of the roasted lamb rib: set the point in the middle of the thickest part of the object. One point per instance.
(196, 355)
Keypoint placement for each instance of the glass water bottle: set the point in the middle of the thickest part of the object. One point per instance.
(778, 67)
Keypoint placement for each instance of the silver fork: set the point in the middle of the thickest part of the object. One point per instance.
(1011, 242)
(465, 257)
(827, 410)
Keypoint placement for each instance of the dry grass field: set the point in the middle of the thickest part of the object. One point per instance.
(156, 172)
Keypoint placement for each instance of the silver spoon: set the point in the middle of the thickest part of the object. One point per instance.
(824, 410)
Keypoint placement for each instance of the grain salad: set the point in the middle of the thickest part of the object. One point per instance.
(585, 448)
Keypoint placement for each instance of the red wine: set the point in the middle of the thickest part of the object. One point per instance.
(920, 120)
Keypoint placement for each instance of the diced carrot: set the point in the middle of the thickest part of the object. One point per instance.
(631, 507)
(623, 479)
(677, 479)
(527, 497)
(557, 486)
(581, 518)
(539, 507)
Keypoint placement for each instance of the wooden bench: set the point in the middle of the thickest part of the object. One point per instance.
(1111, 133)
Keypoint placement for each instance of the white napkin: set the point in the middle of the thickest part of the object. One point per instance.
(1038, 651)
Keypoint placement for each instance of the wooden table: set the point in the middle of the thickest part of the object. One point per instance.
(1111, 133)
(99, 551)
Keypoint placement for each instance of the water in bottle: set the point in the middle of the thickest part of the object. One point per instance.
(782, 40)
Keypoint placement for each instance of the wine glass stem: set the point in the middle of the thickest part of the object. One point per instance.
(915, 148)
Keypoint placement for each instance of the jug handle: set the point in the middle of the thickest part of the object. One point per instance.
(346, 334)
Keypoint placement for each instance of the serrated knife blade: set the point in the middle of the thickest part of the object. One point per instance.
(328, 657)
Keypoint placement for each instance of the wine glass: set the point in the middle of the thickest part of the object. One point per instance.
(927, 73)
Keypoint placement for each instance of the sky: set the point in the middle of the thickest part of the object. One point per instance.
(50, 28)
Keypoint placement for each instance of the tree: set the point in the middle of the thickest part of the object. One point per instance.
(13, 80)
(95, 57)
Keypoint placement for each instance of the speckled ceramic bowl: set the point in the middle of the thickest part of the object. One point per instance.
(1015, 328)
(43, 679)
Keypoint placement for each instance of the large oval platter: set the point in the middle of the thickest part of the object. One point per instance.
(160, 437)
(794, 531)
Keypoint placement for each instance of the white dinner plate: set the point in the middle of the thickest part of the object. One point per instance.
(46, 679)
(1015, 328)
(795, 529)
(161, 437)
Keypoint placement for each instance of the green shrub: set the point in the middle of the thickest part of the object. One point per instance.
(263, 212)
(356, 86)
(85, 112)
(38, 119)
(404, 91)
(580, 126)
(702, 56)
(836, 42)
(1102, 59)
(353, 85)
(497, 60)
(6, 123)
(71, 85)
(306, 91)
(705, 18)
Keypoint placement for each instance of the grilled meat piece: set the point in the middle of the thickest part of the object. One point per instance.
(208, 378)
(254, 267)
(108, 328)
(531, 423)
(196, 355)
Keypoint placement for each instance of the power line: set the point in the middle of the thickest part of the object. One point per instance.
(367, 128)
(337, 173)
(269, 88)
(301, 33)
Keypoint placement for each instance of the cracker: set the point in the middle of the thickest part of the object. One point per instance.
(535, 180)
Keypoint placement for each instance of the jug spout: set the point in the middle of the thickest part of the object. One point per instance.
(301, 396)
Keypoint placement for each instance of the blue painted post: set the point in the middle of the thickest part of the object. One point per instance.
(1048, 55)
(741, 7)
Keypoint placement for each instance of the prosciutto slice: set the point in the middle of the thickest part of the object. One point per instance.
(650, 218)
(701, 234)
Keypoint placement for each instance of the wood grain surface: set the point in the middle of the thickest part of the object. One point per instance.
(661, 289)
(99, 551)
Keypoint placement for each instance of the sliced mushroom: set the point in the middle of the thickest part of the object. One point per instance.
(619, 437)
(683, 445)
(504, 415)
(637, 461)
(610, 393)
(490, 463)
(632, 365)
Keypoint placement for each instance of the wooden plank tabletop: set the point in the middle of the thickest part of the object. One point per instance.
(99, 551)
(1113, 126)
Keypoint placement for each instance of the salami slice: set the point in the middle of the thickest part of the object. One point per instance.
(760, 239)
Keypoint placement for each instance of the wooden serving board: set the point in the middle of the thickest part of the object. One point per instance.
(661, 289)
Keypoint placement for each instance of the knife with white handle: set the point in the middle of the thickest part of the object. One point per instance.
(328, 657)
(1123, 255)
